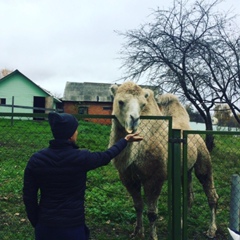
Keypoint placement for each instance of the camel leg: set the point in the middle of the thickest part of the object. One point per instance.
(152, 189)
(134, 189)
(203, 171)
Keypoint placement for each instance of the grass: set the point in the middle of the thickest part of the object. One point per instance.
(109, 211)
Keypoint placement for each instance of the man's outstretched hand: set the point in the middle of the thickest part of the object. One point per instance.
(134, 137)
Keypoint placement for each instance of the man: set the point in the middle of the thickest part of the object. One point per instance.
(60, 173)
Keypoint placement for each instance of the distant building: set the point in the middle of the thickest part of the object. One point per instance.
(87, 98)
(17, 89)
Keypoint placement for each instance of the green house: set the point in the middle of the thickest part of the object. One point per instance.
(19, 94)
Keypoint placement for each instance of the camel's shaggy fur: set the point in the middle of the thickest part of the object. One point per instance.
(144, 164)
(170, 106)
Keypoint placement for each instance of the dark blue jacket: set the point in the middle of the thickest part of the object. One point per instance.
(59, 171)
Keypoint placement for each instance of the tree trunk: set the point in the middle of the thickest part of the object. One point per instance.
(209, 137)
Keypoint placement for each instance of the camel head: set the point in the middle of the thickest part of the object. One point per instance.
(130, 101)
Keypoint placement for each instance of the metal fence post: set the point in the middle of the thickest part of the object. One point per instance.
(235, 203)
(12, 110)
(176, 185)
(185, 186)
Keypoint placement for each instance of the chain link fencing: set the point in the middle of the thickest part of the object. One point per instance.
(109, 208)
(225, 164)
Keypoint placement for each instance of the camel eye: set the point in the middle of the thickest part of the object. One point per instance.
(121, 103)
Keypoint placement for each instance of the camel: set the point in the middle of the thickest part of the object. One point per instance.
(144, 164)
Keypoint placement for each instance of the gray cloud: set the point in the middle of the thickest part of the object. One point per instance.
(52, 42)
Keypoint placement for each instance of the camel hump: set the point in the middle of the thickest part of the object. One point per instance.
(167, 99)
(170, 105)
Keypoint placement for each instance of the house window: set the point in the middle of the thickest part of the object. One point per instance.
(83, 110)
(3, 101)
(107, 108)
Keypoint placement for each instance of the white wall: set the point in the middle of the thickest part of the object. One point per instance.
(201, 127)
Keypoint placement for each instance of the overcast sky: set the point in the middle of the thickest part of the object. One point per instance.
(55, 41)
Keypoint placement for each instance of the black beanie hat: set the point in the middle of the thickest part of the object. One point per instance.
(63, 125)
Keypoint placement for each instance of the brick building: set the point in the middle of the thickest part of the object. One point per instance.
(87, 98)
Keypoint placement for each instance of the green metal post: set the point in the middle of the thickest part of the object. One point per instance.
(170, 160)
(176, 185)
(185, 187)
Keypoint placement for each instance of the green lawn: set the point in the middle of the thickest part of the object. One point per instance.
(109, 211)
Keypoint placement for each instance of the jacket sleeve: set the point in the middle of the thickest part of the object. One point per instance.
(98, 159)
(30, 196)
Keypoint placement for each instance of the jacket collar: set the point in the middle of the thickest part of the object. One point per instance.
(62, 143)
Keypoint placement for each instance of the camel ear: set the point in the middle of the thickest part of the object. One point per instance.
(147, 93)
(113, 89)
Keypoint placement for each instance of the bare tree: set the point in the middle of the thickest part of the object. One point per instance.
(5, 72)
(189, 50)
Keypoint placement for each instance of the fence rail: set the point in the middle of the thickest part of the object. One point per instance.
(13, 106)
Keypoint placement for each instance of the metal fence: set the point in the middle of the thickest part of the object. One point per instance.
(226, 172)
(109, 211)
